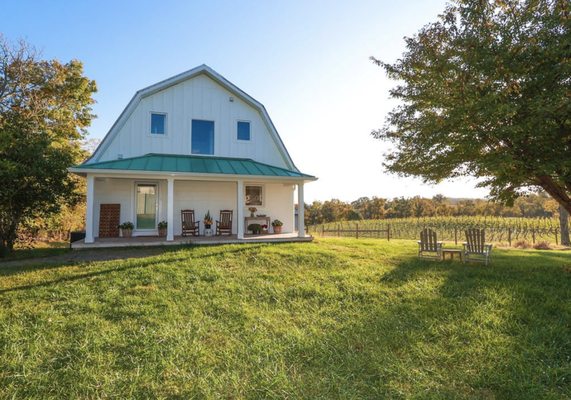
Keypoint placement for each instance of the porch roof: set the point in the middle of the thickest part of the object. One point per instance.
(178, 163)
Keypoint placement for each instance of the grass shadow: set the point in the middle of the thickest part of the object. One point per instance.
(87, 275)
(481, 332)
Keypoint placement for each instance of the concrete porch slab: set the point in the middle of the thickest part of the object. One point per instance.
(144, 241)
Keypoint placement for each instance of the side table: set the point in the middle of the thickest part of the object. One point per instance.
(452, 253)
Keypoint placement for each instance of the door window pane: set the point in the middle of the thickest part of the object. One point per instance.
(202, 137)
(146, 206)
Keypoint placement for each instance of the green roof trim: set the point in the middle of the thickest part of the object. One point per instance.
(194, 164)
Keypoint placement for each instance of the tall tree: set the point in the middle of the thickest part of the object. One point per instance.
(44, 110)
(486, 91)
(564, 223)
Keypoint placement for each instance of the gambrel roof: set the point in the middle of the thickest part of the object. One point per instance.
(216, 77)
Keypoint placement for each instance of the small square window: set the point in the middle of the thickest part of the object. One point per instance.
(158, 122)
(254, 196)
(243, 130)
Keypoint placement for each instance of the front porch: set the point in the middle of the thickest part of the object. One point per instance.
(147, 241)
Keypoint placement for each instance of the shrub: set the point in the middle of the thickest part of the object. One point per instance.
(543, 245)
(522, 244)
(255, 228)
(162, 225)
(127, 225)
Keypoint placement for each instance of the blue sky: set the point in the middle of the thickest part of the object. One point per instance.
(306, 61)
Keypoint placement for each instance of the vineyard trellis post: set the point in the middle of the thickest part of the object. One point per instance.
(533, 235)
(455, 235)
(510, 236)
(357, 231)
(388, 232)
(338, 231)
(556, 241)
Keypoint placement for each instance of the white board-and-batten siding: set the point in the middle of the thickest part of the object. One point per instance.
(201, 98)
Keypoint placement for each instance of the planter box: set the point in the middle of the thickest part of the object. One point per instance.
(126, 233)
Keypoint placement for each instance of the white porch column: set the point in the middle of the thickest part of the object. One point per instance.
(240, 207)
(89, 209)
(300, 211)
(170, 209)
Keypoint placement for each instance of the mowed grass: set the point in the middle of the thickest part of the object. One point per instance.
(332, 319)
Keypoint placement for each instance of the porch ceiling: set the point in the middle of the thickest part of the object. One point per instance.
(191, 164)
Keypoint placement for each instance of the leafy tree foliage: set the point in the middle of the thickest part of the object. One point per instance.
(485, 91)
(44, 110)
(533, 206)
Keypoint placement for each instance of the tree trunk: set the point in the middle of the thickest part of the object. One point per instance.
(564, 223)
(555, 190)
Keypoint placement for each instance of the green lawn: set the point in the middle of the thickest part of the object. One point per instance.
(336, 318)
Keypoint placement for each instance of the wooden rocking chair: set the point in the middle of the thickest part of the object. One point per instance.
(189, 225)
(475, 247)
(224, 225)
(428, 247)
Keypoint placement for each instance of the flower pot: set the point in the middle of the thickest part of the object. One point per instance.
(277, 229)
(162, 231)
(207, 226)
(126, 233)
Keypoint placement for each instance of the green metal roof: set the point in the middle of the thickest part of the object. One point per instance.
(194, 164)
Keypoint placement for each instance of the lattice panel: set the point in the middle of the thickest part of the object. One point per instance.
(109, 215)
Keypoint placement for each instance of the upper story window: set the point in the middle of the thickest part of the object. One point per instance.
(158, 123)
(243, 130)
(202, 137)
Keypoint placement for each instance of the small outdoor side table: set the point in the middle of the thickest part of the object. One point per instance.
(452, 253)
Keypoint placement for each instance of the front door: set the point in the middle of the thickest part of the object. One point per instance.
(147, 202)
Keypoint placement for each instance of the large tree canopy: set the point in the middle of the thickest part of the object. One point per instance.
(485, 91)
(44, 110)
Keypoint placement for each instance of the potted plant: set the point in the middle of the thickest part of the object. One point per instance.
(252, 211)
(277, 224)
(162, 228)
(255, 228)
(264, 228)
(207, 220)
(126, 229)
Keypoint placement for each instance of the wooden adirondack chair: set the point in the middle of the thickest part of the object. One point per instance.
(428, 247)
(224, 225)
(189, 225)
(475, 247)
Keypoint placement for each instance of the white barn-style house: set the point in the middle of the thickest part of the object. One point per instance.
(191, 142)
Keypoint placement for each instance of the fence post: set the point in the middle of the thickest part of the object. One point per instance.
(533, 235)
(388, 232)
(556, 242)
(357, 231)
(510, 236)
(338, 233)
(322, 230)
(455, 235)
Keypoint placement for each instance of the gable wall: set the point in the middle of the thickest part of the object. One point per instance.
(196, 98)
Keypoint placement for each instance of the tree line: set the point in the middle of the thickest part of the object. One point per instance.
(534, 205)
